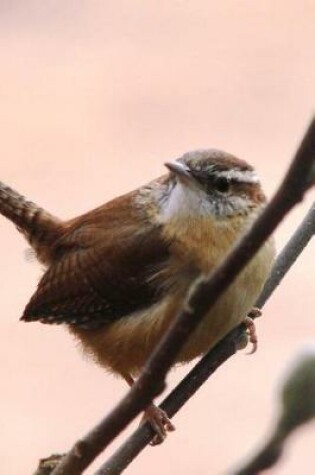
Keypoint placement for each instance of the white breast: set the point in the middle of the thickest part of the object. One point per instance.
(184, 201)
(193, 202)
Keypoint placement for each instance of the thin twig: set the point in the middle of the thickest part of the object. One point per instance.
(173, 402)
(290, 253)
(47, 465)
(141, 437)
(199, 301)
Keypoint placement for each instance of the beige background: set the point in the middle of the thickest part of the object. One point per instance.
(95, 96)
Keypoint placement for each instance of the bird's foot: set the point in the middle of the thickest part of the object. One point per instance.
(251, 328)
(160, 423)
(251, 333)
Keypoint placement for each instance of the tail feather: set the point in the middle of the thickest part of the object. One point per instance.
(34, 222)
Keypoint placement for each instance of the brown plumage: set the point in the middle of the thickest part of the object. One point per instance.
(117, 275)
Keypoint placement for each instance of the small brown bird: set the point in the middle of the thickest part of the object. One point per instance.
(117, 275)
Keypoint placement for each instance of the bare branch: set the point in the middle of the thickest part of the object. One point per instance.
(173, 402)
(199, 301)
(290, 253)
(137, 441)
(47, 465)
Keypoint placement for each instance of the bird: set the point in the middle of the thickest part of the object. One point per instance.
(117, 275)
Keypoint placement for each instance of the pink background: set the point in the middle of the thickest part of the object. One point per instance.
(95, 96)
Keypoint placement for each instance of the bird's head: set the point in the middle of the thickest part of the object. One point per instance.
(210, 183)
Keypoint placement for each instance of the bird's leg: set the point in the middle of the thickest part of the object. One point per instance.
(158, 418)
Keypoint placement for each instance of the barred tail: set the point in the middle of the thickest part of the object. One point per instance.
(34, 222)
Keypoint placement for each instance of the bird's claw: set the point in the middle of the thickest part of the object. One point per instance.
(160, 422)
(250, 335)
(251, 331)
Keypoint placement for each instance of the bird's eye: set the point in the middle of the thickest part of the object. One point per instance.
(222, 184)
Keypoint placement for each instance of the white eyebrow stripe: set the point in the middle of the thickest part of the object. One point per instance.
(246, 176)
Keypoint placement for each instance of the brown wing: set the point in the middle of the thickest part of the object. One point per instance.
(101, 276)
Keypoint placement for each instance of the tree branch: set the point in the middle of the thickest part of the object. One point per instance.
(201, 298)
(47, 465)
(290, 253)
(141, 437)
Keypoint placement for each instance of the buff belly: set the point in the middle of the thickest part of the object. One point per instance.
(124, 346)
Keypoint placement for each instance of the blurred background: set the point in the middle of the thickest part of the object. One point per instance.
(95, 96)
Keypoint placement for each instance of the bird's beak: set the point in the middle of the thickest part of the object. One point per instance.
(180, 170)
